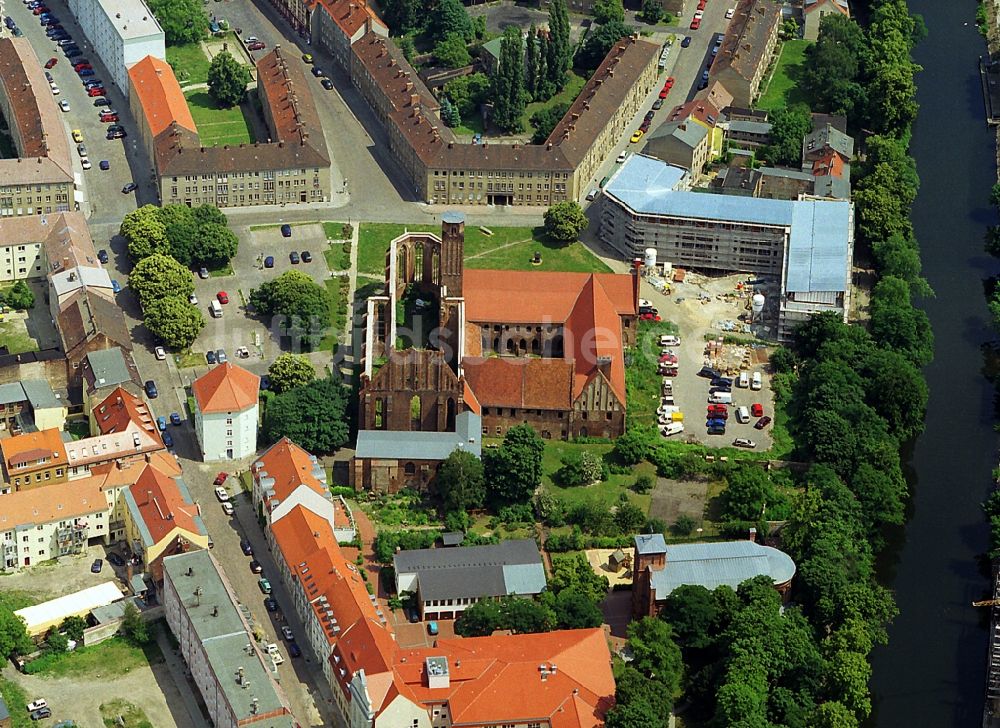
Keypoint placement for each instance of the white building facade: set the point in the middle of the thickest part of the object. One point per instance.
(226, 412)
(121, 32)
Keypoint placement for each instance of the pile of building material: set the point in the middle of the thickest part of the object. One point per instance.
(728, 359)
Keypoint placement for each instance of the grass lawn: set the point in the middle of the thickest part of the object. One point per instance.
(189, 62)
(120, 713)
(783, 90)
(335, 230)
(508, 248)
(218, 126)
(14, 599)
(642, 382)
(338, 256)
(189, 359)
(226, 270)
(470, 126)
(16, 699)
(14, 337)
(337, 286)
(574, 84)
(109, 659)
(79, 429)
(606, 492)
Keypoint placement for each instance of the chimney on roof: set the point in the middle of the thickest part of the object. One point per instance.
(548, 146)
(414, 99)
(409, 85)
(753, 535)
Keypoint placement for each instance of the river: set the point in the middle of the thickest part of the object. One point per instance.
(933, 671)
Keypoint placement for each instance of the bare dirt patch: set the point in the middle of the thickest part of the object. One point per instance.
(674, 498)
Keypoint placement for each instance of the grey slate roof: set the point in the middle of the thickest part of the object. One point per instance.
(828, 136)
(760, 128)
(510, 567)
(650, 543)
(689, 133)
(108, 367)
(452, 538)
(394, 445)
(830, 186)
(36, 392)
(727, 563)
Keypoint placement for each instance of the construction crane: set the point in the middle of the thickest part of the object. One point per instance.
(987, 603)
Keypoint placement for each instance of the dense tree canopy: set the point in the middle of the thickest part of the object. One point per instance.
(289, 371)
(301, 304)
(599, 42)
(788, 127)
(460, 482)
(183, 21)
(514, 469)
(564, 221)
(508, 91)
(160, 276)
(173, 321)
(313, 416)
(452, 52)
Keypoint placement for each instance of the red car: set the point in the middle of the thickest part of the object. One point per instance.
(701, 4)
(83, 67)
(220, 478)
(762, 423)
(695, 24)
(39, 10)
(664, 92)
(109, 118)
(757, 409)
(51, 62)
(95, 91)
(256, 45)
(649, 317)
(222, 296)
(668, 359)
(669, 83)
(714, 409)
(719, 415)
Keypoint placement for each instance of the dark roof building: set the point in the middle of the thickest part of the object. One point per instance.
(448, 580)
(746, 50)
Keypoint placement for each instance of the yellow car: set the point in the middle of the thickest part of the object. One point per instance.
(77, 136)
(637, 136)
(307, 57)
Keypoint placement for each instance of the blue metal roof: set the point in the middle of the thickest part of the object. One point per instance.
(818, 247)
(453, 217)
(650, 543)
(396, 445)
(727, 563)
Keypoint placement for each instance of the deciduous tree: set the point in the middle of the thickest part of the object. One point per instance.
(173, 321)
(468, 93)
(545, 119)
(227, 79)
(608, 11)
(289, 371)
(134, 627)
(451, 17)
(217, 246)
(183, 21)
(564, 221)
(452, 52)
(160, 276)
(312, 416)
(19, 296)
(514, 469)
(14, 639)
(298, 299)
(144, 232)
(788, 127)
(460, 482)
(599, 41)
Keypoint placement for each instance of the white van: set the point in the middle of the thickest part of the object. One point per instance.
(756, 383)
(674, 428)
(744, 380)
(720, 398)
(215, 308)
(592, 195)
(667, 340)
(742, 415)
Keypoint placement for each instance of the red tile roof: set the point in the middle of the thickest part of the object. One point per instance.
(162, 505)
(483, 669)
(32, 446)
(226, 388)
(699, 109)
(290, 466)
(119, 409)
(155, 87)
(520, 382)
(350, 15)
(829, 163)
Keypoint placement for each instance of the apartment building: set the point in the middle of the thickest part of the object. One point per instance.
(226, 412)
(443, 171)
(293, 166)
(39, 178)
(813, 12)
(339, 24)
(89, 321)
(34, 459)
(747, 49)
(45, 523)
(30, 406)
(235, 680)
(286, 476)
(121, 33)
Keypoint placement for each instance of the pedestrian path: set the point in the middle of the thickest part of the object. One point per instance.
(179, 672)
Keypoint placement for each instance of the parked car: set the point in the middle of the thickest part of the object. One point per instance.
(264, 585)
(51, 62)
(175, 418)
(327, 84)
(77, 135)
(730, 13)
(271, 604)
(160, 353)
(116, 287)
(41, 714)
(221, 494)
(101, 101)
(722, 382)
(658, 104)
(210, 356)
(64, 105)
(168, 439)
(96, 567)
(221, 478)
(287, 633)
(203, 272)
(102, 255)
(432, 628)
(317, 72)
(265, 382)
(293, 257)
(708, 373)
(192, 299)
(84, 72)
(227, 508)
(294, 650)
(715, 422)
(636, 136)
(130, 187)
(220, 356)
(649, 317)
(151, 390)
(222, 296)
(762, 423)
(115, 559)
(37, 704)
(307, 256)
(286, 231)
(246, 547)
(307, 57)
(743, 442)
(695, 24)
(757, 409)
(717, 430)
(269, 261)
(161, 423)
(107, 118)
(256, 45)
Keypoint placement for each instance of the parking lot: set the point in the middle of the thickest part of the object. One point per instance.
(695, 317)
